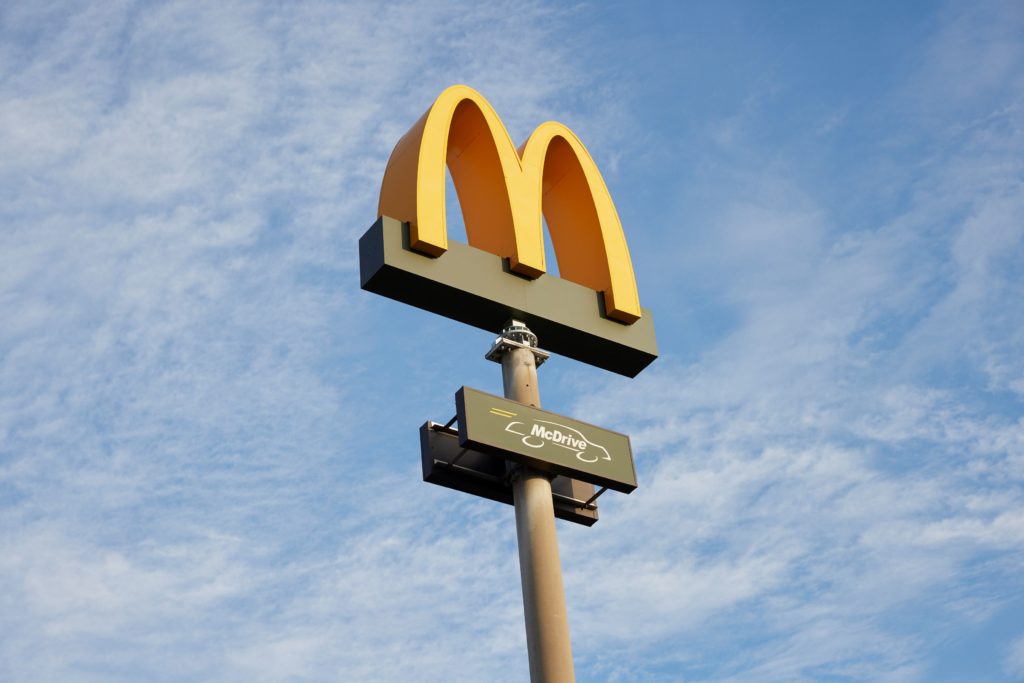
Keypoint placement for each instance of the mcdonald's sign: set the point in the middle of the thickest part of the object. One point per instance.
(591, 312)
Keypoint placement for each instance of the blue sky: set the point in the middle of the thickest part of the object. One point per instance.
(209, 465)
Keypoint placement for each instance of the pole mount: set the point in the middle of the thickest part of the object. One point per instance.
(516, 335)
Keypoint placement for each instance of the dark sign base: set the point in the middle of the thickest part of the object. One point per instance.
(445, 463)
(474, 287)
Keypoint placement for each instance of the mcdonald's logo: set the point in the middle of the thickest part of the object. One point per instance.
(591, 312)
(503, 193)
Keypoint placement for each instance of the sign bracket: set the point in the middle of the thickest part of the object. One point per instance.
(595, 496)
(583, 504)
(469, 471)
(516, 336)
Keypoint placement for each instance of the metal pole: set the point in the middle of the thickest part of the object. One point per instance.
(547, 622)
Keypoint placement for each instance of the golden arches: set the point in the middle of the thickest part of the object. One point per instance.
(504, 193)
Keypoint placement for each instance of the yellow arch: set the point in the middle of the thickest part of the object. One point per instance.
(503, 194)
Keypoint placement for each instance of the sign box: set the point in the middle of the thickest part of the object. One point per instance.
(545, 441)
(474, 287)
(448, 464)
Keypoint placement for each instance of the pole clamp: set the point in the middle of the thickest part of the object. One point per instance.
(516, 335)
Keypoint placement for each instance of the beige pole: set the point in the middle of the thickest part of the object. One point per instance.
(547, 623)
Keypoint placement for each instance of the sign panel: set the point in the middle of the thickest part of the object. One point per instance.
(470, 285)
(543, 440)
(448, 464)
(590, 312)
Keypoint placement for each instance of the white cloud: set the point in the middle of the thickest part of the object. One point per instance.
(184, 490)
(1014, 661)
(815, 461)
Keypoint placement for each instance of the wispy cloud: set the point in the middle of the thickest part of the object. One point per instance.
(1014, 662)
(182, 187)
(830, 464)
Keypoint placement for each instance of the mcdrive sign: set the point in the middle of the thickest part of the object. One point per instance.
(543, 440)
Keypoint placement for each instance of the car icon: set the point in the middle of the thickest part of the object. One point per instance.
(583, 448)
